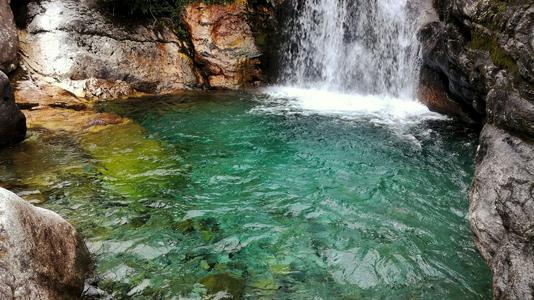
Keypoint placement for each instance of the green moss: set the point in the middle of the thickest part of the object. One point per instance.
(498, 55)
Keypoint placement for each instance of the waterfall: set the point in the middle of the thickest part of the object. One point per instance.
(368, 47)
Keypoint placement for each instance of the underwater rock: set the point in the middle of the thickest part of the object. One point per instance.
(8, 39)
(41, 255)
(224, 44)
(224, 283)
(72, 41)
(502, 211)
(12, 120)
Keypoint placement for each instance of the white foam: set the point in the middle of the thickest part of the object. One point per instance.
(377, 108)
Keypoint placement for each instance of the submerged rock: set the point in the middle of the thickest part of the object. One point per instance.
(8, 39)
(502, 211)
(223, 284)
(224, 44)
(41, 255)
(12, 120)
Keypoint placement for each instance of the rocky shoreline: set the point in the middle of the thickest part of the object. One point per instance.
(482, 54)
(478, 67)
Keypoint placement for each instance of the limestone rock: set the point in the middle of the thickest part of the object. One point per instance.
(41, 255)
(12, 120)
(502, 211)
(71, 40)
(224, 44)
(8, 39)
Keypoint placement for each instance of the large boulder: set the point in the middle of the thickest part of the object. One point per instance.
(502, 211)
(8, 38)
(224, 44)
(41, 255)
(12, 120)
(72, 41)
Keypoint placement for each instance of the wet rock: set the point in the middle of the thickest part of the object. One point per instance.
(72, 41)
(12, 120)
(41, 255)
(8, 39)
(502, 211)
(224, 44)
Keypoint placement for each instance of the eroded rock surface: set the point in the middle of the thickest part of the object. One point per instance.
(72, 41)
(12, 120)
(8, 38)
(41, 255)
(502, 211)
(224, 44)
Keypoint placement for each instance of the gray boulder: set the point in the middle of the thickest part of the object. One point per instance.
(41, 255)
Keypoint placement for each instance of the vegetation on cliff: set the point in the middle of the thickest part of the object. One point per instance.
(162, 9)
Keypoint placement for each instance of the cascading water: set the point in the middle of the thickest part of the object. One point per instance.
(367, 47)
(353, 57)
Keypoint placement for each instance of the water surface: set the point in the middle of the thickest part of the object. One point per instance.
(203, 193)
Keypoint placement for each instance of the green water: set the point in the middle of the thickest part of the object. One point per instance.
(211, 194)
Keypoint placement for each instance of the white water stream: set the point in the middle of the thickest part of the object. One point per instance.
(352, 57)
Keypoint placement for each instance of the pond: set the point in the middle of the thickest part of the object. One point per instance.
(202, 195)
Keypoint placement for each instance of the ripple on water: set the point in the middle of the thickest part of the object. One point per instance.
(215, 192)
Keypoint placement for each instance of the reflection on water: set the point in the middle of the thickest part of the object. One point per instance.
(208, 194)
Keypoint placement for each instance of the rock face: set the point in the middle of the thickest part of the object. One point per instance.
(224, 44)
(72, 41)
(502, 211)
(12, 120)
(482, 52)
(41, 255)
(478, 42)
(8, 38)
